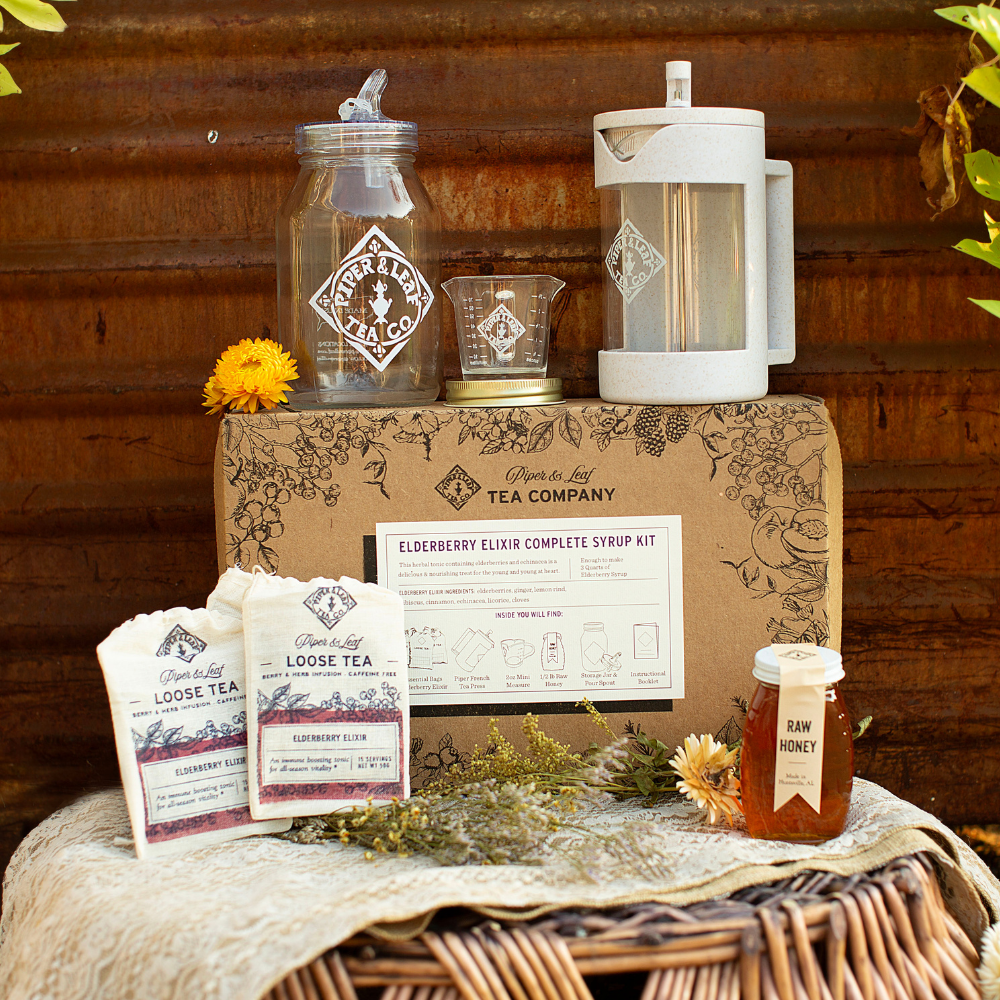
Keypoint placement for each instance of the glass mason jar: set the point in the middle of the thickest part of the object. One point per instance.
(359, 263)
(796, 820)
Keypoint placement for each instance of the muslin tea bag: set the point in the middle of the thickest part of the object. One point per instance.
(227, 598)
(177, 684)
(328, 706)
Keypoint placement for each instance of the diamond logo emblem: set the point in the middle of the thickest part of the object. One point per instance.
(458, 487)
(375, 299)
(796, 654)
(501, 330)
(329, 604)
(632, 261)
(181, 643)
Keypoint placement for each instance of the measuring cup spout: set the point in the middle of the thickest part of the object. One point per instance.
(553, 285)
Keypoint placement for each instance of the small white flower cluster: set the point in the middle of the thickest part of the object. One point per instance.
(989, 967)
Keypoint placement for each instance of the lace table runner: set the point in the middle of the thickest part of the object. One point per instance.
(83, 919)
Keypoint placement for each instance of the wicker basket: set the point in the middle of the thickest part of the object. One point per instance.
(886, 935)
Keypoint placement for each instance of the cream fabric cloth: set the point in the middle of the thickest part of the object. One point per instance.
(83, 919)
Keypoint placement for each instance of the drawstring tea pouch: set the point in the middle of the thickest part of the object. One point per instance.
(177, 685)
(328, 705)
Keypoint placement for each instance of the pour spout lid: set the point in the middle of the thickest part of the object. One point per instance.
(679, 84)
(362, 127)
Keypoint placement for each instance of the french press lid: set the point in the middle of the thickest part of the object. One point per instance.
(362, 127)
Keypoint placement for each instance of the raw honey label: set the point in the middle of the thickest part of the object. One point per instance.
(798, 764)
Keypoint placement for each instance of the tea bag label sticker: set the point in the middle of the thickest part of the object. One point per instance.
(189, 786)
(307, 754)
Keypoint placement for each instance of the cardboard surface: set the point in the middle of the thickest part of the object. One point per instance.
(758, 486)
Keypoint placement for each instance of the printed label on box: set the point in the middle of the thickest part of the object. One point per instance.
(546, 610)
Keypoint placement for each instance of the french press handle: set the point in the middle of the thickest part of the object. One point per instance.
(780, 263)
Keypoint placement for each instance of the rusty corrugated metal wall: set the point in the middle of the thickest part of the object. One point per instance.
(134, 250)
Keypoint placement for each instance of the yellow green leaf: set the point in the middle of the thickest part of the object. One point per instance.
(960, 15)
(4, 49)
(983, 169)
(990, 305)
(986, 22)
(7, 85)
(35, 14)
(989, 252)
(985, 80)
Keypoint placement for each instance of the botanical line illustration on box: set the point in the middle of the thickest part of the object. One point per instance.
(771, 456)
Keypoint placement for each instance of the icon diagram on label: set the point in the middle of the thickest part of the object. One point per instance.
(593, 645)
(501, 330)
(632, 261)
(471, 647)
(426, 648)
(553, 653)
(515, 651)
(646, 641)
(375, 299)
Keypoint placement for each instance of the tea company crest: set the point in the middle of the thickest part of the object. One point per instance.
(501, 330)
(458, 487)
(376, 298)
(329, 604)
(182, 644)
(632, 261)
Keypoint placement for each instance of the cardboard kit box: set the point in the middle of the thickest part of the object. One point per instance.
(636, 554)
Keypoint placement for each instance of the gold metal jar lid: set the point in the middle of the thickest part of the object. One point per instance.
(504, 392)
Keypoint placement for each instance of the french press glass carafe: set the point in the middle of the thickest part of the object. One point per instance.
(359, 263)
(696, 239)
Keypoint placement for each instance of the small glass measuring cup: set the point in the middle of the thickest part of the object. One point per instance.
(503, 323)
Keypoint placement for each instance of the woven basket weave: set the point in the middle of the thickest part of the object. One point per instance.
(886, 935)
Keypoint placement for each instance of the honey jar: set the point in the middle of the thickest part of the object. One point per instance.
(797, 760)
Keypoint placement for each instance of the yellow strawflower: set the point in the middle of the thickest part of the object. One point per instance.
(250, 374)
(706, 768)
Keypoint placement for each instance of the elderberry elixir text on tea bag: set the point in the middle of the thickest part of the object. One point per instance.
(327, 695)
(177, 684)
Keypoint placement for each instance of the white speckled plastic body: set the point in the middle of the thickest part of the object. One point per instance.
(710, 146)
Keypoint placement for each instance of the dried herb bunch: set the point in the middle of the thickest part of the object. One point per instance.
(504, 806)
(482, 823)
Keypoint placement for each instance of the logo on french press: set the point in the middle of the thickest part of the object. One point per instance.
(632, 261)
(376, 298)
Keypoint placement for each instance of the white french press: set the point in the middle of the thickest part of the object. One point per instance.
(697, 247)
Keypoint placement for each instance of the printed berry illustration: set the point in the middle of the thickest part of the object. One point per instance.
(678, 423)
(649, 430)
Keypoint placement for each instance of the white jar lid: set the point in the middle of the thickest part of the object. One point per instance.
(765, 664)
